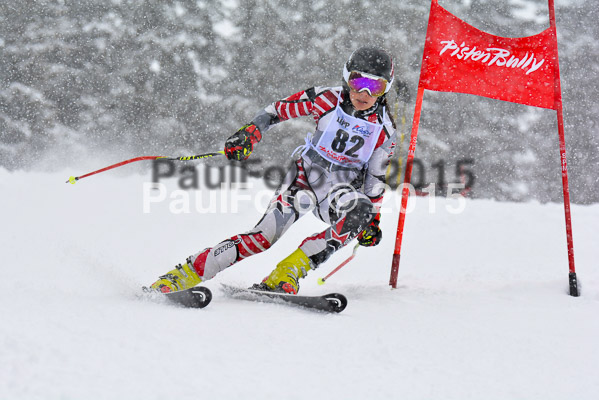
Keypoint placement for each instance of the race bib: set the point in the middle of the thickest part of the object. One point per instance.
(347, 140)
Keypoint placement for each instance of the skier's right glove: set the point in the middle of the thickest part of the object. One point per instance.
(372, 235)
(241, 144)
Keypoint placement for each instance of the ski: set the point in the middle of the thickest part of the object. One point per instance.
(332, 302)
(196, 297)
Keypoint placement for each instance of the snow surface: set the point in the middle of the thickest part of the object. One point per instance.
(481, 311)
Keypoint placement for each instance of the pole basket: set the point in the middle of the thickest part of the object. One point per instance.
(574, 289)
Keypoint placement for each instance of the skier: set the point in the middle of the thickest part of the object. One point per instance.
(341, 170)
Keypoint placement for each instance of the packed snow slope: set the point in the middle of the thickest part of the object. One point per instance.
(481, 311)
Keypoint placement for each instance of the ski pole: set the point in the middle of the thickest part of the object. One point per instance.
(321, 281)
(74, 179)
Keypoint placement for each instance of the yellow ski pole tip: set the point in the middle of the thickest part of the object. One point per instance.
(320, 281)
(72, 179)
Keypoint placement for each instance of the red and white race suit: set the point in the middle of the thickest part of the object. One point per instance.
(339, 176)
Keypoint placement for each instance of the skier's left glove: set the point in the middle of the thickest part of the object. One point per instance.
(241, 144)
(372, 235)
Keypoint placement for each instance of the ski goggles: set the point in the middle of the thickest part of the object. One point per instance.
(360, 81)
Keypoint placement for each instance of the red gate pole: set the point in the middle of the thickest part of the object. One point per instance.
(573, 281)
(406, 189)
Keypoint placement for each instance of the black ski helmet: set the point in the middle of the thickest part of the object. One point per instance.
(370, 60)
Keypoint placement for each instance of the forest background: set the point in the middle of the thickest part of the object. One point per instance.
(105, 80)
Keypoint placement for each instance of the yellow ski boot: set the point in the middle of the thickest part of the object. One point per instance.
(285, 277)
(181, 278)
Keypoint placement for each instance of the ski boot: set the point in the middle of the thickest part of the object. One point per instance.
(285, 277)
(181, 278)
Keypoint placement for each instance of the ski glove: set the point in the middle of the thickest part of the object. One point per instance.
(241, 144)
(372, 235)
